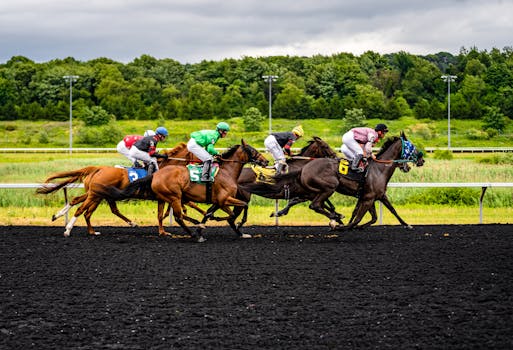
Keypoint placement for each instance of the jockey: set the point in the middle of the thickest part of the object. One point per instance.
(201, 144)
(279, 143)
(124, 146)
(357, 143)
(146, 149)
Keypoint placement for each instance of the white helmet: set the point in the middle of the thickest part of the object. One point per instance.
(149, 133)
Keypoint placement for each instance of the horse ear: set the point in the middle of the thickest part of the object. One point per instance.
(242, 142)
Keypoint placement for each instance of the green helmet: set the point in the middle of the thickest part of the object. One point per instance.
(222, 126)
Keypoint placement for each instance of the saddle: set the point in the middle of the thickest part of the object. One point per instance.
(134, 173)
(344, 168)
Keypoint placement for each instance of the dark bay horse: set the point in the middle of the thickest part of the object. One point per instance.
(173, 185)
(320, 178)
(316, 148)
(323, 178)
(94, 178)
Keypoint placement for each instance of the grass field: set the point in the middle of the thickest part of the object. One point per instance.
(416, 206)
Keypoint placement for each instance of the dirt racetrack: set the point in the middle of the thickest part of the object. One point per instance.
(433, 287)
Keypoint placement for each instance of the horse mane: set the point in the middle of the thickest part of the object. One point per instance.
(389, 142)
(178, 148)
(230, 151)
(315, 139)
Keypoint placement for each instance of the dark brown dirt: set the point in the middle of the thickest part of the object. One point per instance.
(433, 287)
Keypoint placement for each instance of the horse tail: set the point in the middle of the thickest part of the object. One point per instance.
(139, 189)
(73, 176)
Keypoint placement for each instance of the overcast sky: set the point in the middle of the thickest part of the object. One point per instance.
(190, 31)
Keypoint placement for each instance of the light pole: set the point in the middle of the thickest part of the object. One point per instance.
(270, 79)
(449, 79)
(71, 79)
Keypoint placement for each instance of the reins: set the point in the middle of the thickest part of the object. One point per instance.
(403, 158)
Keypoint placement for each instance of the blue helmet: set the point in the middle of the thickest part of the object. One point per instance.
(161, 131)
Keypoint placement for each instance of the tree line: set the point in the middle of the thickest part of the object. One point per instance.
(386, 87)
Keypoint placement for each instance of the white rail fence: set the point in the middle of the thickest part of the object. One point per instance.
(483, 185)
(337, 147)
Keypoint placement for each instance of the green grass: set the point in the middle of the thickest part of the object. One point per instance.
(415, 205)
(424, 133)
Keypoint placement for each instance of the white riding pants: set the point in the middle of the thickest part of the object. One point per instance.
(198, 151)
(121, 147)
(274, 148)
(350, 147)
(137, 154)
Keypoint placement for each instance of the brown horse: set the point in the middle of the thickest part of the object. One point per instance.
(95, 176)
(173, 185)
(316, 148)
(320, 178)
(324, 179)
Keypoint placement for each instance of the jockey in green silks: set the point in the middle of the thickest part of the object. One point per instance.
(201, 144)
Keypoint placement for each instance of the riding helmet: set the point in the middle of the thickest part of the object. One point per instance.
(161, 131)
(381, 127)
(222, 126)
(298, 130)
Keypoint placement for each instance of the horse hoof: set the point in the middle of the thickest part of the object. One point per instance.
(201, 239)
(96, 233)
(409, 227)
(132, 224)
(164, 233)
(54, 217)
(201, 226)
(245, 235)
(333, 224)
(66, 234)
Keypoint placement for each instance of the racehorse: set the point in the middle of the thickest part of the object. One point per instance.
(316, 148)
(94, 177)
(173, 185)
(320, 178)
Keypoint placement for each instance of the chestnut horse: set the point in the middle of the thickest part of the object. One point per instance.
(173, 185)
(94, 177)
(316, 148)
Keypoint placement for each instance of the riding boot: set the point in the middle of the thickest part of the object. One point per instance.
(356, 162)
(205, 174)
(280, 167)
(151, 168)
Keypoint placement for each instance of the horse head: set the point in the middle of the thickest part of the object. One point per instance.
(253, 155)
(245, 154)
(401, 151)
(317, 148)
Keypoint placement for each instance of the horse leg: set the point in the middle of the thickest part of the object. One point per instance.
(91, 207)
(69, 205)
(374, 217)
(176, 204)
(79, 212)
(114, 209)
(318, 206)
(359, 211)
(290, 204)
(161, 215)
(389, 206)
(331, 208)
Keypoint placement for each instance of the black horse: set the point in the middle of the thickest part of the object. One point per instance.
(316, 148)
(320, 178)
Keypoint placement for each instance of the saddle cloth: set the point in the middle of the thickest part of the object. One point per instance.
(264, 175)
(195, 171)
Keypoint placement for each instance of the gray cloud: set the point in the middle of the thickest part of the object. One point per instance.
(193, 30)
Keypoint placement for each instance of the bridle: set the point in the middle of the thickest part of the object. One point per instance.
(250, 152)
(409, 154)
